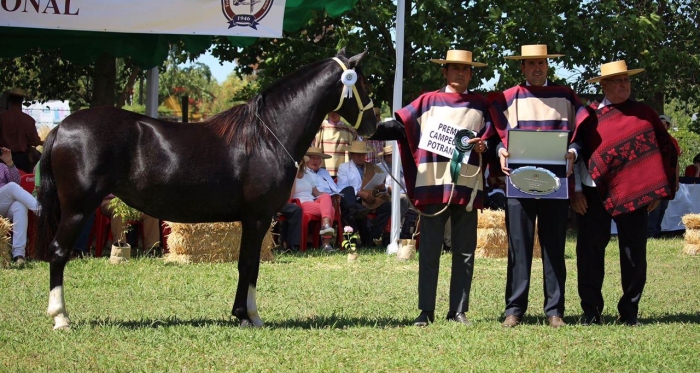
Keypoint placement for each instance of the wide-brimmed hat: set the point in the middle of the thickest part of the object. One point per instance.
(531, 52)
(665, 118)
(317, 152)
(386, 150)
(459, 56)
(612, 69)
(358, 147)
(17, 92)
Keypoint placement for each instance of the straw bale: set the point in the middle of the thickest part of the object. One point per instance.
(692, 236)
(210, 242)
(491, 236)
(492, 219)
(5, 246)
(691, 249)
(491, 243)
(691, 221)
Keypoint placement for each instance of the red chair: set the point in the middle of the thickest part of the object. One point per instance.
(313, 223)
(26, 181)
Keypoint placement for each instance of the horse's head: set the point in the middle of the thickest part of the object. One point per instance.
(355, 104)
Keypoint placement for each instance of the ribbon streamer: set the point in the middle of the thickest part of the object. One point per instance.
(462, 146)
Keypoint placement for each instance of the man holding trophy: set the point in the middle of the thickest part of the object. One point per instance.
(535, 122)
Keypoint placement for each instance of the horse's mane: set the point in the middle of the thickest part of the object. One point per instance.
(241, 121)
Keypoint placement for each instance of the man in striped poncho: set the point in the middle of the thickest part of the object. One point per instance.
(537, 104)
(442, 181)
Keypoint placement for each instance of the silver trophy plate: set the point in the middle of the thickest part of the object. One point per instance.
(533, 180)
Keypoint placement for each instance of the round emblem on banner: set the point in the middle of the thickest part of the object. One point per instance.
(245, 13)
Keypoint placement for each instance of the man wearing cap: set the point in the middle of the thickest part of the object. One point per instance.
(18, 131)
(631, 163)
(332, 138)
(537, 104)
(444, 184)
(357, 200)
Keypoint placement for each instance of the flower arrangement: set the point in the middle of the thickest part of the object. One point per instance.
(351, 239)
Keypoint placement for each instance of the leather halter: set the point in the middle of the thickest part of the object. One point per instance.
(361, 108)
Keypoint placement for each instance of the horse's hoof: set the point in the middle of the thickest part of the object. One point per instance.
(61, 322)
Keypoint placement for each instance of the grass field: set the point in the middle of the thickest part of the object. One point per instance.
(324, 314)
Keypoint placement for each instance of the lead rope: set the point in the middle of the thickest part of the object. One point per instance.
(296, 164)
(452, 188)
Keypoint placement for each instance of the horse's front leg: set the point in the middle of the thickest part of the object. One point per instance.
(244, 306)
(60, 248)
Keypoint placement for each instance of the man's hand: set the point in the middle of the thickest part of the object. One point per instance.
(502, 155)
(570, 159)
(579, 203)
(479, 145)
(366, 195)
(652, 206)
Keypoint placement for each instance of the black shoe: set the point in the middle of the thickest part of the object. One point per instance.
(425, 318)
(458, 317)
(588, 320)
(19, 260)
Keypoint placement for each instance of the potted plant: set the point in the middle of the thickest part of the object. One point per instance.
(121, 251)
(350, 243)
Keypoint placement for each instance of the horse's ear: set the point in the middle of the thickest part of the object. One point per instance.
(341, 52)
(355, 60)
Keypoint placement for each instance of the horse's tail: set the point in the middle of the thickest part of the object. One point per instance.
(48, 199)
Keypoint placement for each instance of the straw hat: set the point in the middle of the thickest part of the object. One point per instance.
(317, 152)
(531, 52)
(17, 92)
(614, 68)
(387, 150)
(359, 147)
(459, 56)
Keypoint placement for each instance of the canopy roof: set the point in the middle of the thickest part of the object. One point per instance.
(147, 50)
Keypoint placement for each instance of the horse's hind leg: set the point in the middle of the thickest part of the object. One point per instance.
(61, 247)
(245, 306)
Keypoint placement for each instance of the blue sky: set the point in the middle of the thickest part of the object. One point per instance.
(218, 71)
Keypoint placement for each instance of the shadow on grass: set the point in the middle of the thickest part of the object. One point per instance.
(322, 322)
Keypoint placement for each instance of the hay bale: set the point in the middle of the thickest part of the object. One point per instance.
(692, 236)
(691, 249)
(691, 221)
(210, 243)
(491, 236)
(5, 245)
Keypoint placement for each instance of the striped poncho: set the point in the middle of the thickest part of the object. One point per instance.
(551, 107)
(427, 174)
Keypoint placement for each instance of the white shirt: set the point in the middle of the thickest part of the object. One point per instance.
(323, 181)
(303, 188)
(349, 175)
(389, 181)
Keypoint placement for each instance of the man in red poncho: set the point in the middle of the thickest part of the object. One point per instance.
(629, 165)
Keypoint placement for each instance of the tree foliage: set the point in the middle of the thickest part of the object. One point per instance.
(660, 36)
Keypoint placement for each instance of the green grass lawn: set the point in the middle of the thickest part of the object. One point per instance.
(325, 314)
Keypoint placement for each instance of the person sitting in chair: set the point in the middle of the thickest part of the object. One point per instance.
(15, 203)
(314, 202)
(357, 200)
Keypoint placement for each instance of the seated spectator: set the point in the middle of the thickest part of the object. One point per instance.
(693, 170)
(357, 200)
(290, 229)
(151, 226)
(314, 202)
(15, 203)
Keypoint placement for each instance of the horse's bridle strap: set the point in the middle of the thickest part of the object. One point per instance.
(360, 107)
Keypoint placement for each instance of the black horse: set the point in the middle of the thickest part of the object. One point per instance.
(237, 166)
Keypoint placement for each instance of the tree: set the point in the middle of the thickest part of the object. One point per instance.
(657, 35)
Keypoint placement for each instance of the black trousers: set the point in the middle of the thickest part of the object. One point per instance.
(551, 215)
(369, 230)
(291, 233)
(432, 232)
(593, 237)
